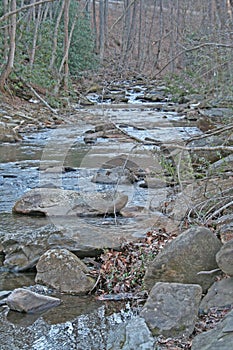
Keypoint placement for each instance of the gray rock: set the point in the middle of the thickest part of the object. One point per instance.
(116, 175)
(180, 261)
(24, 300)
(64, 271)
(220, 294)
(219, 338)
(224, 226)
(223, 164)
(224, 258)
(22, 249)
(8, 135)
(132, 335)
(58, 202)
(172, 308)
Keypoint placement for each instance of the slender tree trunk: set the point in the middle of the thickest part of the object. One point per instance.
(94, 24)
(11, 55)
(55, 36)
(35, 36)
(101, 30)
(6, 30)
(66, 43)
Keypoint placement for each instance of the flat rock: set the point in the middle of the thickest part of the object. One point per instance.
(64, 271)
(24, 300)
(219, 338)
(180, 261)
(171, 309)
(22, 249)
(224, 258)
(59, 202)
(220, 294)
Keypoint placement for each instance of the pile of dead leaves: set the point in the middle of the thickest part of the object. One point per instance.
(122, 271)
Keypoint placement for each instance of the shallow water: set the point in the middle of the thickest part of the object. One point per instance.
(80, 322)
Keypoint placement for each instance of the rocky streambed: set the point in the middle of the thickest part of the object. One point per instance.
(105, 177)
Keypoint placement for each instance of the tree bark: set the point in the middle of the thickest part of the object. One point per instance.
(66, 43)
(10, 60)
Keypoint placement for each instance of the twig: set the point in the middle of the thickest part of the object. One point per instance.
(218, 211)
(208, 272)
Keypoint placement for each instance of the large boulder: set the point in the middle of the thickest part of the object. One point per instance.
(184, 258)
(59, 202)
(64, 271)
(24, 300)
(225, 258)
(172, 308)
(219, 338)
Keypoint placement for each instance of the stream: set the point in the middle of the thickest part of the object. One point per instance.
(79, 322)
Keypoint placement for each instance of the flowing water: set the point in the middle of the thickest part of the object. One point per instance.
(79, 322)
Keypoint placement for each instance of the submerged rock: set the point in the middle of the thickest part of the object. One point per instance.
(64, 271)
(59, 202)
(24, 300)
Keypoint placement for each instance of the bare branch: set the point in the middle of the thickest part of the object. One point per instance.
(11, 13)
(204, 148)
(198, 47)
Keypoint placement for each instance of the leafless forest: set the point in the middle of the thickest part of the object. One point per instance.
(66, 39)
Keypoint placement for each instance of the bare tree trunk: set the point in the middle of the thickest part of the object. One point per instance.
(35, 36)
(94, 24)
(6, 30)
(10, 60)
(66, 43)
(101, 30)
(55, 36)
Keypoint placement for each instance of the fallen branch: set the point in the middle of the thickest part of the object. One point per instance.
(40, 98)
(196, 149)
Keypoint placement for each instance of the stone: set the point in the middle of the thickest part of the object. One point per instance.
(153, 182)
(224, 226)
(183, 258)
(116, 175)
(171, 309)
(219, 295)
(24, 300)
(219, 338)
(59, 202)
(64, 271)
(224, 258)
(8, 135)
(133, 334)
